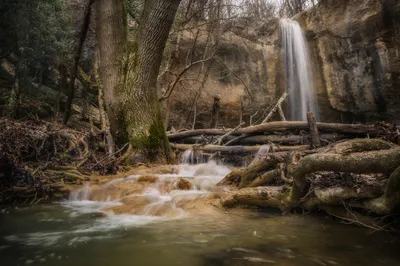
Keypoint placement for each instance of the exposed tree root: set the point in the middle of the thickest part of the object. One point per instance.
(352, 173)
(390, 198)
(385, 161)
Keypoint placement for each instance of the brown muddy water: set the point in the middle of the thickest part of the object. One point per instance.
(161, 220)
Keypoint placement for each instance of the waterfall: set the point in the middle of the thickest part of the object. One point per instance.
(299, 82)
(81, 194)
(192, 157)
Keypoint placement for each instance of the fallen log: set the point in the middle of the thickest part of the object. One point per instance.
(264, 139)
(233, 148)
(370, 130)
(327, 127)
(197, 132)
(258, 196)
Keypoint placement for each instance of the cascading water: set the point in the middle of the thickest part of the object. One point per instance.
(149, 196)
(299, 83)
(191, 157)
(81, 194)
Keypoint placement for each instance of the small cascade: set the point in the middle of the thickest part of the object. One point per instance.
(151, 197)
(192, 157)
(81, 194)
(299, 81)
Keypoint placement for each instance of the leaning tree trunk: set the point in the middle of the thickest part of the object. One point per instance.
(129, 72)
(77, 56)
(142, 116)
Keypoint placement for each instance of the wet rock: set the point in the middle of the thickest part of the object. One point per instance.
(132, 205)
(148, 178)
(183, 184)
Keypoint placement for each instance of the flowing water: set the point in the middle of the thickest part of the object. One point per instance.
(299, 81)
(161, 219)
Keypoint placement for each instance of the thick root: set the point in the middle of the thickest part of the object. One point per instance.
(390, 198)
(385, 161)
(335, 196)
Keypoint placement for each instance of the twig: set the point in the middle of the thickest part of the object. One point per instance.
(251, 117)
(111, 155)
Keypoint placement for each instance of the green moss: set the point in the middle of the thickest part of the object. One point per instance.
(155, 142)
(121, 136)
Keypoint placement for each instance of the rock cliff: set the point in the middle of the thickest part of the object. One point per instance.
(355, 48)
(355, 53)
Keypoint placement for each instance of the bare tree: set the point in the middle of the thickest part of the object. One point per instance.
(130, 70)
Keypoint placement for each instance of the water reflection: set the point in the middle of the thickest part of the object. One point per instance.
(128, 222)
(232, 238)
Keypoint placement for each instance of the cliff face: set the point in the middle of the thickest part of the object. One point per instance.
(355, 48)
(244, 74)
(355, 52)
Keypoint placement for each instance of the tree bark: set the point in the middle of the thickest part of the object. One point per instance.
(130, 70)
(112, 39)
(139, 102)
(104, 122)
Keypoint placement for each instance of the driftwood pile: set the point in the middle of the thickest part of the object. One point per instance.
(351, 171)
(285, 135)
(38, 159)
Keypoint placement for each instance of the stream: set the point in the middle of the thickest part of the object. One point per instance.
(131, 222)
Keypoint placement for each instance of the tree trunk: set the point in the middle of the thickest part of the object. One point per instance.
(112, 38)
(215, 111)
(78, 51)
(130, 88)
(315, 141)
(140, 105)
(15, 98)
